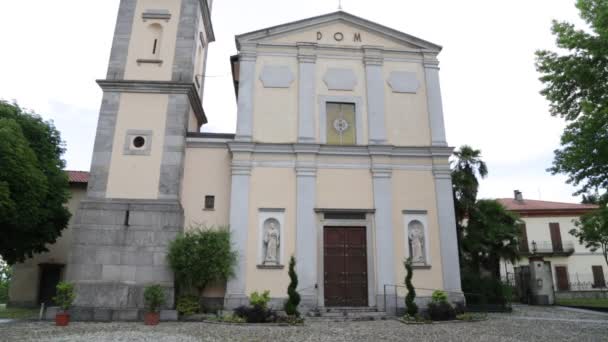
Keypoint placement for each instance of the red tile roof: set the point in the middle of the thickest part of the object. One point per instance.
(545, 208)
(78, 176)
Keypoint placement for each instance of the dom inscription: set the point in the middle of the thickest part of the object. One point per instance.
(339, 36)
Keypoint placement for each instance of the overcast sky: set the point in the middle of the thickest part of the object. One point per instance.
(53, 51)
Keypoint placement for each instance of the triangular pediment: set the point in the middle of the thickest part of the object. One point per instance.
(339, 29)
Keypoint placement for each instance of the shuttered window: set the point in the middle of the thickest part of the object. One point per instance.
(523, 238)
(556, 237)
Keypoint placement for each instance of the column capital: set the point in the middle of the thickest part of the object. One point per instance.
(248, 56)
(381, 171)
(373, 55)
(241, 167)
(307, 59)
(442, 172)
(305, 170)
(248, 52)
(307, 52)
(430, 61)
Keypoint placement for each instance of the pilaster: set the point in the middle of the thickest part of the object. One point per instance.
(239, 221)
(185, 45)
(247, 62)
(374, 61)
(447, 227)
(383, 202)
(434, 101)
(122, 38)
(306, 228)
(306, 92)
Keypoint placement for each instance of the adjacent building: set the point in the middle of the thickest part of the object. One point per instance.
(339, 158)
(33, 281)
(546, 233)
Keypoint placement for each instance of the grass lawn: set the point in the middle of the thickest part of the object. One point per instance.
(17, 313)
(596, 303)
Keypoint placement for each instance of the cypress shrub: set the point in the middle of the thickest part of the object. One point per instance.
(410, 304)
(291, 305)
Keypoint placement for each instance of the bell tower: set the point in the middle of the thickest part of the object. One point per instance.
(151, 98)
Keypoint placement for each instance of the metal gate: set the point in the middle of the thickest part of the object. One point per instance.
(522, 284)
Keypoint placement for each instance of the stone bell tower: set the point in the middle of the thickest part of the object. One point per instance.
(151, 99)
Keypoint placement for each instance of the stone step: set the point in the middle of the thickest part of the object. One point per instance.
(347, 314)
(349, 309)
(375, 316)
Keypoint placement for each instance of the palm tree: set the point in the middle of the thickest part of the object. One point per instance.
(466, 167)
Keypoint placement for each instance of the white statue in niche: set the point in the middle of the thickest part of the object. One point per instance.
(416, 239)
(272, 242)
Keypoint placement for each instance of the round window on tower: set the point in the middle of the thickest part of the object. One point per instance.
(139, 142)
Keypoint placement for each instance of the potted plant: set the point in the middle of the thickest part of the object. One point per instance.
(64, 298)
(154, 297)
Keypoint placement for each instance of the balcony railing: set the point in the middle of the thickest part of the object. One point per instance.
(548, 248)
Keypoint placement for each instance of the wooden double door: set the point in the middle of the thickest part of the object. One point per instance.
(345, 266)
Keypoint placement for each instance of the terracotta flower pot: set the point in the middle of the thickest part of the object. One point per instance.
(151, 318)
(62, 319)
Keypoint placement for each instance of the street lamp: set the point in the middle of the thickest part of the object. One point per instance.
(534, 249)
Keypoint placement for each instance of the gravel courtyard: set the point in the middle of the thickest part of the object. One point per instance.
(524, 324)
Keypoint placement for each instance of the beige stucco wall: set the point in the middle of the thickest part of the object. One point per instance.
(206, 172)
(273, 188)
(25, 281)
(407, 119)
(276, 109)
(578, 264)
(359, 91)
(275, 118)
(344, 189)
(140, 43)
(415, 190)
(137, 176)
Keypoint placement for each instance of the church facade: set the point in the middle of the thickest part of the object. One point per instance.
(339, 159)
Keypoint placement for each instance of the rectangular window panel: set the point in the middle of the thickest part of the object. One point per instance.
(341, 124)
(209, 202)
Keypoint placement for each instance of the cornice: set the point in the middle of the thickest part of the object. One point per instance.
(324, 150)
(339, 16)
(158, 87)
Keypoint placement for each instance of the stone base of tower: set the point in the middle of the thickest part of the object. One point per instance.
(119, 247)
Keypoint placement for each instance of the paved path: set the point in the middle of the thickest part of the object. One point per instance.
(536, 324)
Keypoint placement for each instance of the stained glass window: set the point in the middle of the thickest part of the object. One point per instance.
(341, 124)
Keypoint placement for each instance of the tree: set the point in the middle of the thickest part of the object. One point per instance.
(595, 198)
(592, 231)
(33, 185)
(202, 256)
(410, 304)
(465, 169)
(576, 85)
(291, 305)
(467, 166)
(491, 234)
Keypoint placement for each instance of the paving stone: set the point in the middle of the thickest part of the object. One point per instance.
(538, 324)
